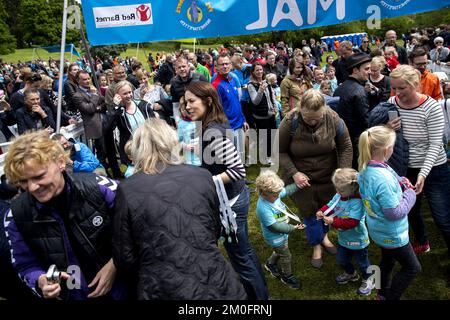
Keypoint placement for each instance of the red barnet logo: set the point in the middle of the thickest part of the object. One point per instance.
(144, 12)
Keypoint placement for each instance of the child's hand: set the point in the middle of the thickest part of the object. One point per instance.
(299, 226)
(319, 215)
(328, 220)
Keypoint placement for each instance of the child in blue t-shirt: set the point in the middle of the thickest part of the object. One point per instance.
(273, 215)
(345, 212)
(387, 199)
(130, 169)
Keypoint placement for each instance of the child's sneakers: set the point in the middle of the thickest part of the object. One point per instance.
(291, 281)
(366, 287)
(273, 269)
(421, 248)
(345, 277)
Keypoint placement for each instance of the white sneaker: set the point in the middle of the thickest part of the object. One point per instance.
(366, 287)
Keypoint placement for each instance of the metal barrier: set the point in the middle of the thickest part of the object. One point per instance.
(75, 131)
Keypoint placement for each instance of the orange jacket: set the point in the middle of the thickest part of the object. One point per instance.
(430, 85)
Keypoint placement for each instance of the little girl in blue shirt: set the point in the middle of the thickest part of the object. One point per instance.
(273, 215)
(346, 213)
(387, 199)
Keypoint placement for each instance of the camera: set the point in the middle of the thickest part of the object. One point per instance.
(53, 274)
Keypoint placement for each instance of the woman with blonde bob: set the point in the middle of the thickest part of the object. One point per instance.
(388, 199)
(59, 219)
(422, 120)
(166, 231)
(313, 142)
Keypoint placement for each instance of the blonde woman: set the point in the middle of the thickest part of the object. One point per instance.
(314, 142)
(422, 121)
(59, 219)
(165, 232)
(378, 87)
(388, 199)
(129, 114)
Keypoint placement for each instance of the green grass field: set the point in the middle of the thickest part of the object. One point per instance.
(133, 51)
(317, 284)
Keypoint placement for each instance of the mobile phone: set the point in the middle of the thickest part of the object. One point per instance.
(393, 114)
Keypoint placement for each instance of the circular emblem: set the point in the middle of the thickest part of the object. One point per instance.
(97, 221)
(194, 13)
(144, 12)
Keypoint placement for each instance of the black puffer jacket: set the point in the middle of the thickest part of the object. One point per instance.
(399, 159)
(165, 232)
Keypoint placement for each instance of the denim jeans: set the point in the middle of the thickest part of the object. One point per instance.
(243, 257)
(392, 288)
(239, 142)
(345, 256)
(437, 192)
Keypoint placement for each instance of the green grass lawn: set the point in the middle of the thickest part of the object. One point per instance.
(320, 284)
(141, 53)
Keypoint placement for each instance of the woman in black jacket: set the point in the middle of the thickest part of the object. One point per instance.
(220, 157)
(128, 114)
(165, 230)
(263, 102)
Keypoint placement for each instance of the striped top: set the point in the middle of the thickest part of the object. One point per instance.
(423, 128)
(225, 153)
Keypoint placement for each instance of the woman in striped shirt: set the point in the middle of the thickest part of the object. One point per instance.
(220, 157)
(422, 121)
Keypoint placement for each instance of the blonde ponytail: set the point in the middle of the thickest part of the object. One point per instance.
(373, 141)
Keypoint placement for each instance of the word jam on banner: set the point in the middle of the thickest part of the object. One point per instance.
(131, 21)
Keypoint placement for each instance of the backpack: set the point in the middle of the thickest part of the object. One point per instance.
(295, 124)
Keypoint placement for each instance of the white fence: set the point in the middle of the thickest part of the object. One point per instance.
(75, 131)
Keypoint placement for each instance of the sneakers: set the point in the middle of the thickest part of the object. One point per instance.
(291, 281)
(273, 270)
(345, 277)
(421, 248)
(366, 287)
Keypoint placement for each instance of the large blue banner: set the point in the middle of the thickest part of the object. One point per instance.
(131, 21)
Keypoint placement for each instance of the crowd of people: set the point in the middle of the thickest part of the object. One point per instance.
(359, 140)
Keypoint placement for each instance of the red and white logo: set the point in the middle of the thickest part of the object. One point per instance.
(143, 12)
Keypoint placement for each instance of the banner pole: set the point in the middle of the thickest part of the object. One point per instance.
(137, 51)
(61, 67)
(86, 48)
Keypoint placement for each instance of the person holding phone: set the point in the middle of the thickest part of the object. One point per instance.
(129, 114)
(422, 121)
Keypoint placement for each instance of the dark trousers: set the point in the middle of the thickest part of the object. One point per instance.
(437, 192)
(345, 256)
(243, 257)
(106, 149)
(392, 287)
(265, 139)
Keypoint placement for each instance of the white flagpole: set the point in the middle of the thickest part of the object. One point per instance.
(61, 67)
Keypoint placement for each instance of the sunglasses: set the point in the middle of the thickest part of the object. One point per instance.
(365, 41)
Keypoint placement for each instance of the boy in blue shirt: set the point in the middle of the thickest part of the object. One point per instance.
(345, 212)
(273, 215)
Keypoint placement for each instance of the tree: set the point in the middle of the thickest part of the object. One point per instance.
(7, 41)
(41, 22)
